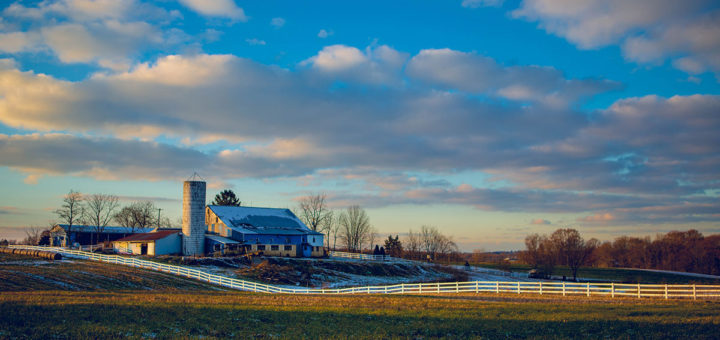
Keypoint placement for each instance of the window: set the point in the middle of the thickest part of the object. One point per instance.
(288, 248)
(261, 247)
(313, 239)
(274, 247)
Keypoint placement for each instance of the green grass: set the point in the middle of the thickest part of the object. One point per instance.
(231, 314)
(614, 274)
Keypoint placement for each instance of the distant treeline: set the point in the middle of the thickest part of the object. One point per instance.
(686, 251)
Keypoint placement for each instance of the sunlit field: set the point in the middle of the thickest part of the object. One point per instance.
(199, 310)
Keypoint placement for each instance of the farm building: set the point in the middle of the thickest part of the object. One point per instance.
(62, 235)
(158, 242)
(275, 232)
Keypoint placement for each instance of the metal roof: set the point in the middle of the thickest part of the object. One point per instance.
(220, 239)
(160, 234)
(254, 220)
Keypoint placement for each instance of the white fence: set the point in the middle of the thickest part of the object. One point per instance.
(558, 288)
(359, 256)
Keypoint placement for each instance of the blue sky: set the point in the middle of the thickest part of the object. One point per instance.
(490, 119)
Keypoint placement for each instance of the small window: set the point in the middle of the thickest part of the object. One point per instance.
(313, 239)
(261, 247)
(274, 247)
(288, 248)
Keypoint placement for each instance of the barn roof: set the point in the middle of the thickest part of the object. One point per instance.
(254, 220)
(160, 234)
(106, 230)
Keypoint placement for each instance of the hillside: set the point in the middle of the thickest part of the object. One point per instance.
(21, 273)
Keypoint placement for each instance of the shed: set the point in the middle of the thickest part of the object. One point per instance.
(160, 242)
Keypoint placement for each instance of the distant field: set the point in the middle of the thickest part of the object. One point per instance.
(615, 274)
(168, 306)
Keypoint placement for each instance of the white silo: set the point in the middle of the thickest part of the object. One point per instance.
(193, 217)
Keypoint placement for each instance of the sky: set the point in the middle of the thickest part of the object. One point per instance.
(488, 119)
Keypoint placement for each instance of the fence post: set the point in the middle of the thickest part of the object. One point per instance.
(666, 297)
(457, 287)
(518, 284)
(540, 287)
(477, 287)
(612, 289)
(563, 288)
(402, 288)
(588, 289)
(639, 291)
(420, 288)
(694, 293)
(497, 287)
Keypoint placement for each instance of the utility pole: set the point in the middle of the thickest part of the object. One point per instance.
(158, 222)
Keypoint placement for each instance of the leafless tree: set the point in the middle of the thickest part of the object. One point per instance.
(334, 230)
(355, 227)
(99, 211)
(572, 249)
(70, 212)
(371, 236)
(412, 243)
(32, 235)
(434, 242)
(137, 215)
(313, 211)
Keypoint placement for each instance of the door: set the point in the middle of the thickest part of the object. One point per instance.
(143, 249)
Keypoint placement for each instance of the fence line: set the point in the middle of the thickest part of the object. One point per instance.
(613, 290)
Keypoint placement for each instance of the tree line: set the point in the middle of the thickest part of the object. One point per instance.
(685, 251)
(352, 229)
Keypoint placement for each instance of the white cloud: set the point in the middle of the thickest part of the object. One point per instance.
(216, 8)
(482, 3)
(649, 31)
(255, 41)
(277, 22)
(109, 42)
(324, 34)
(15, 42)
(477, 74)
(108, 33)
(376, 65)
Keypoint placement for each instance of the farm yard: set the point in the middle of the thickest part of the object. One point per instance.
(150, 304)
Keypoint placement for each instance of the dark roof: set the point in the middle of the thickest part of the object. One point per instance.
(160, 234)
(253, 220)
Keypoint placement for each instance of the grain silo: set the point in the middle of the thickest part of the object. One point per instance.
(193, 217)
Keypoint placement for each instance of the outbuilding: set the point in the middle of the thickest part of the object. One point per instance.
(159, 242)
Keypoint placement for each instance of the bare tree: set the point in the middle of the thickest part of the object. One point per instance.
(355, 227)
(412, 243)
(572, 249)
(335, 230)
(433, 242)
(100, 209)
(313, 211)
(70, 212)
(371, 236)
(32, 236)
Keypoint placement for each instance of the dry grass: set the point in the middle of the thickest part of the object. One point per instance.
(169, 312)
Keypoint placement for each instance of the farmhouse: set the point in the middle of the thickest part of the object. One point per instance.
(273, 231)
(63, 235)
(158, 242)
(213, 229)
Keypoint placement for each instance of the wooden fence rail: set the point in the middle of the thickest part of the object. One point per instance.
(613, 290)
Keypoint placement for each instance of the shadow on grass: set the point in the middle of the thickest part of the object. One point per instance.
(225, 321)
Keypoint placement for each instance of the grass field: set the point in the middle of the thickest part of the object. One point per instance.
(177, 308)
(615, 274)
(45, 314)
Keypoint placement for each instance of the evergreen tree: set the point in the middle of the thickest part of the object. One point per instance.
(226, 197)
